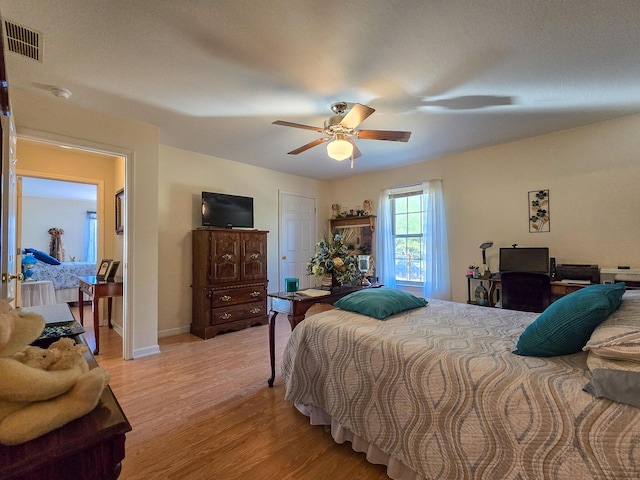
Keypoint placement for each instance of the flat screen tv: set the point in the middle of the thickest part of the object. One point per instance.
(526, 259)
(226, 211)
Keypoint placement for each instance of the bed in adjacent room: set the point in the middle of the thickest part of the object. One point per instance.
(64, 278)
(436, 392)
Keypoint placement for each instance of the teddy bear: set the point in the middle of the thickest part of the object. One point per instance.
(41, 389)
(62, 354)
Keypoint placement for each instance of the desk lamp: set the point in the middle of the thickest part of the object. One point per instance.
(484, 246)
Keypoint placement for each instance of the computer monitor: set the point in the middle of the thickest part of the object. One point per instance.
(526, 259)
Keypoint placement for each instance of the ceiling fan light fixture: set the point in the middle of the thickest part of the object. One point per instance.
(339, 149)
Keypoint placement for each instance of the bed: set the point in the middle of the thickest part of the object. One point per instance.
(436, 392)
(64, 278)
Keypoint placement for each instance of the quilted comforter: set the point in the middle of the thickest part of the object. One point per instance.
(439, 390)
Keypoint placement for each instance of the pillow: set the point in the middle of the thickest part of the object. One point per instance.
(379, 303)
(618, 337)
(566, 325)
(43, 257)
(618, 385)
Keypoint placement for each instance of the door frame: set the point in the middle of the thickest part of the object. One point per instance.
(127, 270)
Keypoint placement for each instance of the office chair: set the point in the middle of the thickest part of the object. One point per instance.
(525, 291)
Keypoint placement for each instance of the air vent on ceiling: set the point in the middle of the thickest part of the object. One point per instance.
(23, 41)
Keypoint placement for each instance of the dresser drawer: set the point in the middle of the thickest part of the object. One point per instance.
(237, 312)
(235, 296)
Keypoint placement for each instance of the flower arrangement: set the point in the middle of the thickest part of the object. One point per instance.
(332, 258)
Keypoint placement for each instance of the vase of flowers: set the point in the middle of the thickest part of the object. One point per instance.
(332, 257)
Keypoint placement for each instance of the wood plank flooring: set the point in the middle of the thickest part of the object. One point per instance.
(203, 410)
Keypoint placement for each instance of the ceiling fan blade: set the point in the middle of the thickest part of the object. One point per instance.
(356, 151)
(309, 145)
(296, 125)
(356, 115)
(391, 135)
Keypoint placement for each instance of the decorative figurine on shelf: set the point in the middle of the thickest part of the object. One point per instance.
(335, 209)
(366, 207)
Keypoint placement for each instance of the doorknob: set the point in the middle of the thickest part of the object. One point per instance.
(284, 257)
(6, 277)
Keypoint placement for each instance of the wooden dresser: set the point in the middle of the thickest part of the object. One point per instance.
(229, 288)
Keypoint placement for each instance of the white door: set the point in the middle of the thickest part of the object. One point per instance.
(297, 237)
(8, 203)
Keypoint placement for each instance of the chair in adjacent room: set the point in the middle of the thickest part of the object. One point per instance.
(525, 291)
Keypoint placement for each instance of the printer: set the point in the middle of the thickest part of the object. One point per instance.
(582, 273)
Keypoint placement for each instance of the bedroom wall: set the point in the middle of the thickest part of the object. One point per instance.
(182, 177)
(592, 173)
(70, 215)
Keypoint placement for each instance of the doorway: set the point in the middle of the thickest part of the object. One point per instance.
(65, 159)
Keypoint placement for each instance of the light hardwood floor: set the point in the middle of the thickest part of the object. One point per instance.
(203, 410)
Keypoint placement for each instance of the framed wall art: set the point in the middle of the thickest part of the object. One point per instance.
(539, 221)
(119, 206)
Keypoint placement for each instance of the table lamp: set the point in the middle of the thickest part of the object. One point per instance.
(28, 261)
(363, 266)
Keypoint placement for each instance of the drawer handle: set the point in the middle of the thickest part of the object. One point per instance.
(255, 294)
(225, 298)
(225, 316)
(227, 256)
(255, 310)
(254, 256)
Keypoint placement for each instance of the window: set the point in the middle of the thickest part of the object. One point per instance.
(407, 215)
(91, 246)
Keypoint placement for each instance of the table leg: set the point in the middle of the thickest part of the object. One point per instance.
(96, 320)
(272, 346)
(109, 312)
(81, 305)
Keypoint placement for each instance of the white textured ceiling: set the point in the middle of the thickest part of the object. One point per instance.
(213, 75)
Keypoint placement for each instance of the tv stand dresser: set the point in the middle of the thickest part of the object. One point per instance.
(229, 288)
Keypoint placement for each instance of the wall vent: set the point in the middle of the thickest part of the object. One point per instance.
(23, 41)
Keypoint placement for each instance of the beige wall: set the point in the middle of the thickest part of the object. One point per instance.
(44, 116)
(183, 176)
(592, 172)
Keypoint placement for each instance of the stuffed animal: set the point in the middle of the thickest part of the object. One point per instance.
(41, 390)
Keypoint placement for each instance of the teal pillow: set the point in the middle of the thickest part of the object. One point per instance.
(379, 303)
(567, 324)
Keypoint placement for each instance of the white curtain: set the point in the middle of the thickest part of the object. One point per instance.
(437, 282)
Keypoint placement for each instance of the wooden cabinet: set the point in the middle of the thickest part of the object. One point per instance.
(358, 232)
(229, 287)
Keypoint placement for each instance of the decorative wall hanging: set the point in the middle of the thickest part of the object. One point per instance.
(539, 211)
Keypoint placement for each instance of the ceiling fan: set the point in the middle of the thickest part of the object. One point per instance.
(341, 129)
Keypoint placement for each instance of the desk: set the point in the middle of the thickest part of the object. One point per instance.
(97, 289)
(37, 293)
(295, 305)
(88, 448)
(558, 289)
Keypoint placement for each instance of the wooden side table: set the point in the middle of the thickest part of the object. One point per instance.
(97, 289)
(295, 305)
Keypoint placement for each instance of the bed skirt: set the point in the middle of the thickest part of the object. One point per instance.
(395, 469)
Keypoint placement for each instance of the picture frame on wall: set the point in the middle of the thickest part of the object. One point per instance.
(103, 268)
(119, 206)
